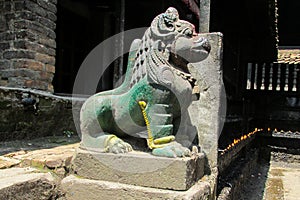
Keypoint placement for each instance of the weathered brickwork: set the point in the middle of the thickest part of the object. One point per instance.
(28, 114)
(27, 43)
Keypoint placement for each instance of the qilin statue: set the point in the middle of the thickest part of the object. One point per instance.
(155, 94)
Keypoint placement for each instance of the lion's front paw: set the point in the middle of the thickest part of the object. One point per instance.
(172, 150)
(116, 145)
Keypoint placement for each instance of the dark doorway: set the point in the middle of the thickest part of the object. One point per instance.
(81, 25)
(249, 29)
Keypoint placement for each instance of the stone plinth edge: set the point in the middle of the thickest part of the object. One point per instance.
(139, 168)
(78, 188)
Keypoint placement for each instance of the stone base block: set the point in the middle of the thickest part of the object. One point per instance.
(78, 189)
(139, 168)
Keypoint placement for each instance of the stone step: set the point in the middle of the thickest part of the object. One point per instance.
(139, 168)
(6, 162)
(78, 188)
(26, 183)
(56, 158)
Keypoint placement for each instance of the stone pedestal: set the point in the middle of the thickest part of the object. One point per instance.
(78, 188)
(140, 169)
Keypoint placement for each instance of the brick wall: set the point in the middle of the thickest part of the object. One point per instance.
(28, 114)
(27, 43)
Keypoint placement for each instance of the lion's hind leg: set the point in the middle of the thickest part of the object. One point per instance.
(108, 143)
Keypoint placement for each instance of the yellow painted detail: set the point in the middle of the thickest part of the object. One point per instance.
(164, 140)
(111, 139)
(157, 143)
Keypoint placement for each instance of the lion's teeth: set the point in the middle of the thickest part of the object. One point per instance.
(196, 89)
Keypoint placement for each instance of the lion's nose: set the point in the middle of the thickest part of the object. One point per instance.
(203, 42)
(206, 45)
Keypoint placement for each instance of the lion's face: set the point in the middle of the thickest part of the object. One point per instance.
(177, 40)
(180, 37)
(193, 49)
(188, 44)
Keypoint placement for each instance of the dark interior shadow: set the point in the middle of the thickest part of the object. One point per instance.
(245, 178)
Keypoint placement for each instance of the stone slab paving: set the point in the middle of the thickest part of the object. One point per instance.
(53, 153)
(283, 181)
(52, 158)
(274, 181)
(32, 169)
(6, 162)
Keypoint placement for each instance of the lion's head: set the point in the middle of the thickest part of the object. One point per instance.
(179, 39)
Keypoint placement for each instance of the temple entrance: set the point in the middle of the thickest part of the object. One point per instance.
(81, 25)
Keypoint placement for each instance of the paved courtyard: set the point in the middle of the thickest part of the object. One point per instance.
(276, 181)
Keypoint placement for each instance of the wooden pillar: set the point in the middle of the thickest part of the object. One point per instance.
(204, 16)
(119, 45)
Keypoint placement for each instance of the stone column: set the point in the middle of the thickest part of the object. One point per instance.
(27, 43)
(208, 113)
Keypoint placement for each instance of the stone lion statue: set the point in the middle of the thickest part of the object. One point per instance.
(155, 94)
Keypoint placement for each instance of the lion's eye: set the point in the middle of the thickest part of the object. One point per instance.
(188, 32)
